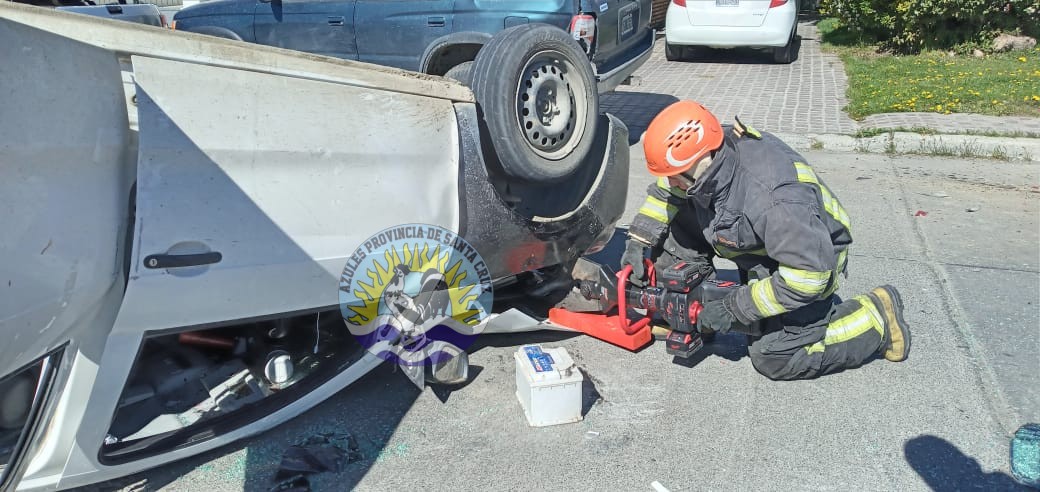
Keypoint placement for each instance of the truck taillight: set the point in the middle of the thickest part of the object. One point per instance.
(681, 3)
(583, 28)
(776, 3)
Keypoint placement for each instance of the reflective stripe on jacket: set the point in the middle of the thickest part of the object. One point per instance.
(760, 203)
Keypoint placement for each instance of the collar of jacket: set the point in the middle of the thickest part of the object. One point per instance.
(717, 180)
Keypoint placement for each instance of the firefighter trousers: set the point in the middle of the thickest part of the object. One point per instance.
(824, 337)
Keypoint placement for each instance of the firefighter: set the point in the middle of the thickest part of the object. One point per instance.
(746, 196)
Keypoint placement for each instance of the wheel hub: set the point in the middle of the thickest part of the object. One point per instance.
(546, 105)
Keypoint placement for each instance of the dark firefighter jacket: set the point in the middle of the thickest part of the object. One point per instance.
(759, 204)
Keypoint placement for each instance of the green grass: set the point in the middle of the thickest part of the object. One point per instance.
(997, 84)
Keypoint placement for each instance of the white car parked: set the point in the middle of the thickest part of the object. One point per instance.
(731, 24)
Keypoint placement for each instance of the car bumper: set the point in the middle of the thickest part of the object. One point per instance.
(774, 31)
(608, 81)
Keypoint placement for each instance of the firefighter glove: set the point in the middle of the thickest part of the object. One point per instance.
(717, 316)
(634, 253)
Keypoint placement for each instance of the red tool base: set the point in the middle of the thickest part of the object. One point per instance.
(603, 327)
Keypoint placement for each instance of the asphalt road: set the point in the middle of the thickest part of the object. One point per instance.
(941, 420)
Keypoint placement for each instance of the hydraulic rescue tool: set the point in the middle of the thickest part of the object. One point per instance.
(674, 295)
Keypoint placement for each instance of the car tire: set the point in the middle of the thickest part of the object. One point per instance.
(461, 72)
(538, 99)
(788, 53)
(673, 52)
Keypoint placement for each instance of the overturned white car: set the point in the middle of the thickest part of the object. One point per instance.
(179, 213)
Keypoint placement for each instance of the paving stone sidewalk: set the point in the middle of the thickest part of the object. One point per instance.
(806, 96)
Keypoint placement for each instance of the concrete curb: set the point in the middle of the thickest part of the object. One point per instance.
(1001, 148)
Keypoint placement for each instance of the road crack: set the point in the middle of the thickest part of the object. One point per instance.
(1001, 410)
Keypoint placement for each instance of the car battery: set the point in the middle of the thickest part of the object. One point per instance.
(548, 385)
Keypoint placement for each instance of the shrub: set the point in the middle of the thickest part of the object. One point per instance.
(913, 25)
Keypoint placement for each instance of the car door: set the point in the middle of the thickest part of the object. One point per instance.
(395, 33)
(323, 27)
(254, 188)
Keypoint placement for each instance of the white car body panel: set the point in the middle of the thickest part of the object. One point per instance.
(701, 23)
(66, 241)
(745, 13)
(283, 177)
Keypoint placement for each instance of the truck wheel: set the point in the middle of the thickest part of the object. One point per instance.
(461, 72)
(538, 98)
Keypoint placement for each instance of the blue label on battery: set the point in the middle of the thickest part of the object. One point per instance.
(541, 361)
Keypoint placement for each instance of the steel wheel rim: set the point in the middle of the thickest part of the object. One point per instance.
(547, 99)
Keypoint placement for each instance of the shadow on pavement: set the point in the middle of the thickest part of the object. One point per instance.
(944, 467)
(635, 109)
(735, 56)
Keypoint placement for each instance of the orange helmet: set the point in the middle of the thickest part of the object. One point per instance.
(679, 137)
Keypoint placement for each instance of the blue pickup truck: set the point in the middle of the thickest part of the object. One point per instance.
(429, 36)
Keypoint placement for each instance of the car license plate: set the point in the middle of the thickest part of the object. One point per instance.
(627, 25)
(727, 3)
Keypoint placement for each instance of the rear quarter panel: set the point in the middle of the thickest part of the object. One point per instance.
(67, 165)
(611, 51)
(491, 16)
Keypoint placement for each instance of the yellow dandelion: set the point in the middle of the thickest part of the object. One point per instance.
(1022, 59)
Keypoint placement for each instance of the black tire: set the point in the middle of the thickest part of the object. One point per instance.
(461, 72)
(673, 52)
(539, 70)
(787, 54)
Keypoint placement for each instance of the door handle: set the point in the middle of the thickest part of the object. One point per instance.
(336, 21)
(181, 261)
(435, 21)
